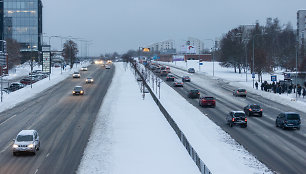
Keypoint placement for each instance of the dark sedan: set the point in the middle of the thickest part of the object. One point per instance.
(78, 90)
(170, 77)
(288, 120)
(28, 81)
(194, 93)
(253, 109)
(186, 79)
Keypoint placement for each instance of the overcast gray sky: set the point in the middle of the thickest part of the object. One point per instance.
(120, 25)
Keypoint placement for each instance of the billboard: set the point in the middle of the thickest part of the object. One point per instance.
(178, 57)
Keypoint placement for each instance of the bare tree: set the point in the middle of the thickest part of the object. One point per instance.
(13, 51)
(70, 51)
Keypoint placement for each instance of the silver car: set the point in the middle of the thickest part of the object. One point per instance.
(26, 141)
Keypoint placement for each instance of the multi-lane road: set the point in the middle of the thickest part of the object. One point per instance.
(283, 151)
(64, 123)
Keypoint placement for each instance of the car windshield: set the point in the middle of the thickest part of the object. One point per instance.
(25, 138)
(186, 77)
(75, 73)
(209, 98)
(255, 107)
(194, 91)
(239, 115)
(78, 88)
(91, 78)
(241, 90)
(293, 117)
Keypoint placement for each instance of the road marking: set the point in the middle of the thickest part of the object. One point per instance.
(36, 171)
(8, 119)
(47, 155)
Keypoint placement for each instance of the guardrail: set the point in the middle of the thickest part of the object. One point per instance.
(193, 154)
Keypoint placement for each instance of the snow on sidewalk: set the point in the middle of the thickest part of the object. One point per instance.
(131, 135)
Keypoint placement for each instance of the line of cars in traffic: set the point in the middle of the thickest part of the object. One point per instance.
(283, 120)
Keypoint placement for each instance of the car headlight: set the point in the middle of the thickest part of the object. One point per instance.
(73, 92)
(15, 146)
(30, 145)
(81, 92)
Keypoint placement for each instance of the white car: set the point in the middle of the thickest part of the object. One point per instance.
(89, 80)
(107, 67)
(26, 141)
(84, 68)
(76, 75)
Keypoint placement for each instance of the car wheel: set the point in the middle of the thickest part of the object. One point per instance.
(298, 128)
(244, 126)
(231, 124)
(14, 153)
(276, 125)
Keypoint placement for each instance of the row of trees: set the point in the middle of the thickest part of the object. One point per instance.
(274, 46)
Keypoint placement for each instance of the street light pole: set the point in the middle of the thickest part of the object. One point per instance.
(213, 54)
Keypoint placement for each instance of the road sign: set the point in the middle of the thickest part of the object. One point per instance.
(253, 75)
(274, 78)
(201, 63)
(46, 62)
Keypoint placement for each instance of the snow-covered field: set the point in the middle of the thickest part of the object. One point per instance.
(237, 80)
(14, 98)
(131, 135)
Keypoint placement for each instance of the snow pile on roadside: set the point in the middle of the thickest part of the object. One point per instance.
(237, 80)
(132, 136)
(14, 98)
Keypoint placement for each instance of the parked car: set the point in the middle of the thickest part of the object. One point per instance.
(28, 81)
(164, 73)
(107, 67)
(240, 92)
(178, 84)
(26, 141)
(170, 77)
(207, 101)
(236, 118)
(194, 93)
(89, 80)
(35, 72)
(15, 86)
(84, 68)
(288, 120)
(76, 75)
(253, 109)
(191, 70)
(186, 79)
(57, 65)
(78, 90)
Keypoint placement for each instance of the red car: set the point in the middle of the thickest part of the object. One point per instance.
(207, 101)
(27, 81)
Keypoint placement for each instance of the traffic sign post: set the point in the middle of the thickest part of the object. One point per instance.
(253, 76)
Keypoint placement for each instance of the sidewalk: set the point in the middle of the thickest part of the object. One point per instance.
(131, 135)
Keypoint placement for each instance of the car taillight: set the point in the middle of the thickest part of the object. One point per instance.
(199, 93)
(260, 109)
(245, 119)
(233, 119)
(237, 92)
(250, 109)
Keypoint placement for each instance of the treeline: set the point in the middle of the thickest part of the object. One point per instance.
(274, 46)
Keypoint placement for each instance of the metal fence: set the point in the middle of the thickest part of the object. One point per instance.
(193, 154)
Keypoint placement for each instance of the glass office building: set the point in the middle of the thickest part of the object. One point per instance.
(22, 21)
